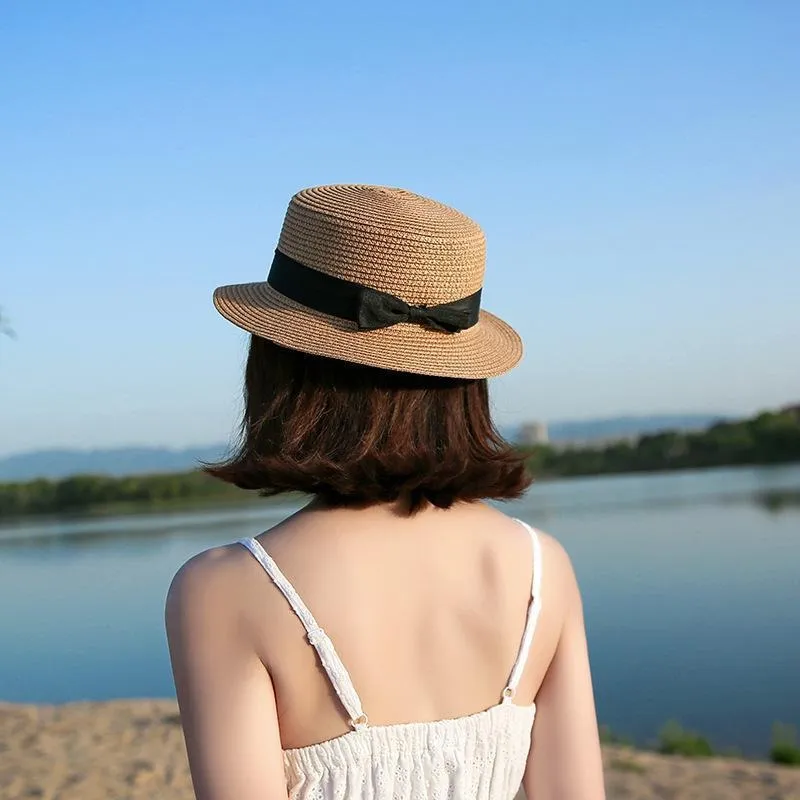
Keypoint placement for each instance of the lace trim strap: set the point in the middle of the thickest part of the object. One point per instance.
(329, 658)
(534, 609)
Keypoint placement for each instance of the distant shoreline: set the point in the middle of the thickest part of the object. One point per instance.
(769, 438)
(230, 497)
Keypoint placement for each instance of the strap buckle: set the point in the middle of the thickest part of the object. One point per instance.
(360, 722)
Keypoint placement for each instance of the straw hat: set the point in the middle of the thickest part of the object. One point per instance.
(380, 277)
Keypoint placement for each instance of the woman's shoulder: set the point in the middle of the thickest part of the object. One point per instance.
(509, 547)
(556, 562)
(558, 580)
(213, 567)
(211, 585)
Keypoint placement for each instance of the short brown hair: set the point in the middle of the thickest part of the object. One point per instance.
(357, 435)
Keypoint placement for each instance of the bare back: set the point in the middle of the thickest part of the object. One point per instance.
(426, 612)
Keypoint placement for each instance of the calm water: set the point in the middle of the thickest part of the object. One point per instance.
(691, 589)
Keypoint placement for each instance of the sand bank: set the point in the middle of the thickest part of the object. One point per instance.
(133, 749)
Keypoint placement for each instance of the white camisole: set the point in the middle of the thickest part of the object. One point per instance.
(478, 757)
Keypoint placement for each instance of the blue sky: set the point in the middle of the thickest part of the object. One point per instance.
(635, 166)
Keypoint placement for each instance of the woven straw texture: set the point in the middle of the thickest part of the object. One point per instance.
(395, 241)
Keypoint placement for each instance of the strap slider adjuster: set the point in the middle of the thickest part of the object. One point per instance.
(316, 636)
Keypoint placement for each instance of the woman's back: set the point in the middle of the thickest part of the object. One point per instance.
(389, 640)
(430, 634)
(432, 647)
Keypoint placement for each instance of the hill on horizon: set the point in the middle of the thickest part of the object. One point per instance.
(61, 462)
(629, 425)
(117, 461)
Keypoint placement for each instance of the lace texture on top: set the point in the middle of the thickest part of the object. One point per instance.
(478, 757)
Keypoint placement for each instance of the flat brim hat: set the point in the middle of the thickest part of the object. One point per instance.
(380, 277)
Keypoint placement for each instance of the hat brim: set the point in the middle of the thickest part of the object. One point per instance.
(487, 349)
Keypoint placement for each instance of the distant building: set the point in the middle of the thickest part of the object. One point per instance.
(534, 433)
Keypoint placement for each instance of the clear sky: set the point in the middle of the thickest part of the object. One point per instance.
(636, 167)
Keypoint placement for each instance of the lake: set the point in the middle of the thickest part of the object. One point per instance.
(691, 589)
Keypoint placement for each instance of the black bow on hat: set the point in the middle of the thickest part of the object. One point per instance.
(380, 310)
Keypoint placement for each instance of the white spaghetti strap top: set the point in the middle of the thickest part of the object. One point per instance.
(481, 756)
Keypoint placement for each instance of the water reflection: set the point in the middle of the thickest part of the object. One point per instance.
(90, 531)
(777, 501)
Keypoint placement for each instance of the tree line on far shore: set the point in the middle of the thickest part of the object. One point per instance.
(80, 493)
(768, 438)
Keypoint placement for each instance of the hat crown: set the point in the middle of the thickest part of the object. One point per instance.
(390, 239)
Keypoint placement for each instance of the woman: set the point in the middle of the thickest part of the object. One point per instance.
(391, 638)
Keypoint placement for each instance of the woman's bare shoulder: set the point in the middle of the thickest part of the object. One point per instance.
(211, 580)
(559, 583)
(555, 559)
(558, 576)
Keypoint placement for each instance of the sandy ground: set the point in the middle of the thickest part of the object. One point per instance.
(129, 750)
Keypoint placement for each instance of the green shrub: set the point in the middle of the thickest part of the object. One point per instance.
(673, 740)
(607, 736)
(785, 749)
